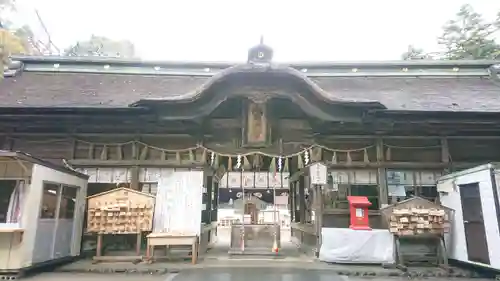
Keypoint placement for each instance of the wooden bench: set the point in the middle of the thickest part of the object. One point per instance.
(168, 239)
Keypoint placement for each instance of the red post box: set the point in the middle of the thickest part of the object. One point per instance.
(358, 206)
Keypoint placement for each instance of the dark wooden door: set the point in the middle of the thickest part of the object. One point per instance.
(475, 235)
(251, 209)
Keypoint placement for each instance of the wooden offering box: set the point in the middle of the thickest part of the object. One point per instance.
(423, 222)
(416, 221)
(417, 216)
(120, 211)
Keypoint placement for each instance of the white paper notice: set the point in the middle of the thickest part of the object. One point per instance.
(359, 213)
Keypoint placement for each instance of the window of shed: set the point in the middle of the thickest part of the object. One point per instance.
(68, 202)
(50, 202)
(7, 201)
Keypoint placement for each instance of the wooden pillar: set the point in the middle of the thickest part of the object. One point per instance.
(302, 200)
(138, 244)
(91, 151)
(134, 181)
(74, 146)
(208, 199)
(318, 214)
(296, 212)
(99, 245)
(381, 172)
(135, 153)
(445, 151)
(209, 192)
(215, 202)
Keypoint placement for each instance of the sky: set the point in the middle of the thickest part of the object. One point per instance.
(223, 30)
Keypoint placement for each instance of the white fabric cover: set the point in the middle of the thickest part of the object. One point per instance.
(344, 245)
(179, 203)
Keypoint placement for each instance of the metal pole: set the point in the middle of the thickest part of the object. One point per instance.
(275, 238)
(274, 199)
(243, 212)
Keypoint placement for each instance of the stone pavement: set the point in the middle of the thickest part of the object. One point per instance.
(217, 258)
(295, 274)
(227, 275)
(160, 268)
(93, 277)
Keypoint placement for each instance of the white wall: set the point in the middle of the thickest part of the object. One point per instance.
(456, 244)
(31, 215)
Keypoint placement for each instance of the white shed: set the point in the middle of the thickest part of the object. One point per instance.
(474, 235)
(41, 215)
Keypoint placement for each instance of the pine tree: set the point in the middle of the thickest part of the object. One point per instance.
(99, 46)
(469, 36)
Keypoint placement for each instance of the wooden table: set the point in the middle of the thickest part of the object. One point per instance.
(168, 239)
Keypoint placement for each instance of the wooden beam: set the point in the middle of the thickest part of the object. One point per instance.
(90, 135)
(55, 127)
(333, 137)
(132, 163)
(390, 165)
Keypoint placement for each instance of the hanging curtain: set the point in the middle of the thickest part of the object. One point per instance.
(14, 212)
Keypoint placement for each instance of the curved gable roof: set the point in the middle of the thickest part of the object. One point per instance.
(246, 69)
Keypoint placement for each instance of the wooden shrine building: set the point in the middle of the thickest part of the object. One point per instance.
(377, 125)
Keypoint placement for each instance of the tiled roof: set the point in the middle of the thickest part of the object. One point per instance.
(89, 90)
(425, 93)
(82, 89)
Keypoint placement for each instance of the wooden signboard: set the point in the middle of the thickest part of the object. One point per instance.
(120, 211)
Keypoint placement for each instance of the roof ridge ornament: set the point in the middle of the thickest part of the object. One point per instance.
(260, 54)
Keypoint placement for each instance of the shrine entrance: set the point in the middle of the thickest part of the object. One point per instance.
(253, 211)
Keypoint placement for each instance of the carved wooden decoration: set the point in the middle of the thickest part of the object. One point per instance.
(256, 130)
